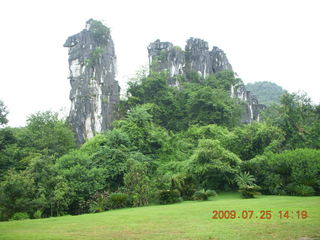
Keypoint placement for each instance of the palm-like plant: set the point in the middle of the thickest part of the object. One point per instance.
(247, 187)
(245, 179)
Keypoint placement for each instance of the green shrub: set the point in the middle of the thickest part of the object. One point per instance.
(246, 184)
(96, 207)
(282, 173)
(299, 190)
(99, 202)
(186, 193)
(212, 166)
(244, 178)
(303, 190)
(168, 196)
(249, 191)
(98, 29)
(184, 184)
(37, 214)
(290, 188)
(20, 216)
(204, 195)
(274, 184)
(200, 195)
(118, 200)
(137, 183)
(211, 193)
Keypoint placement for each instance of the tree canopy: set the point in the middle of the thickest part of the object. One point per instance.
(267, 93)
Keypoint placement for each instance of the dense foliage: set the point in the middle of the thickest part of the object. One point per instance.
(268, 93)
(299, 120)
(294, 172)
(203, 103)
(171, 144)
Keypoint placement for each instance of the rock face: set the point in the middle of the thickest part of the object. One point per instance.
(196, 58)
(252, 106)
(94, 91)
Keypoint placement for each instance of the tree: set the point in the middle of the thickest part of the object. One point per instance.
(214, 132)
(17, 193)
(60, 198)
(153, 89)
(267, 93)
(137, 183)
(52, 191)
(212, 106)
(222, 80)
(144, 135)
(3, 114)
(99, 165)
(82, 177)
(213, 166)
(46, 132)
(12, 152)
(289, 172)
(299, 120)
(256, 138)
(193, 102)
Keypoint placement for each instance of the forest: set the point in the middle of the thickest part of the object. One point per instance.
(170, 144)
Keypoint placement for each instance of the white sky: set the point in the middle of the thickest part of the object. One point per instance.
(265, 40)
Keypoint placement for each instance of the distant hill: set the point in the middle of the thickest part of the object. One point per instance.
(266, 92)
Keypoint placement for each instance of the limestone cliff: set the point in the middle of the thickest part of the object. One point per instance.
(196, 58)
(94, 91)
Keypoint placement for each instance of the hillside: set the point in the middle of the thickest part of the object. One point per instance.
(266, 92)
(187, 220)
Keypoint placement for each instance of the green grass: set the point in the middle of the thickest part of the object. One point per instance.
(187, 220)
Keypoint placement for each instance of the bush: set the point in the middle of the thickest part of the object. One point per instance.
(249, 191)
(98, 29)
(282, 173)
(99, 202)
(168, 196)
(212, 166)
(303, 190)
(96, 207)
(184, 184)
(37, 214)
(20, 216)
(211, 193)
(137, 183)
(247, 187)
(204, 195)
(200, 195)
(118, 200)
(244, 178)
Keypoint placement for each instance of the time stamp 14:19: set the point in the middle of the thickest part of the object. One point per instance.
(263, 214)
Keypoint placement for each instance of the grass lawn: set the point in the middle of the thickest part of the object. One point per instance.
(187, 220)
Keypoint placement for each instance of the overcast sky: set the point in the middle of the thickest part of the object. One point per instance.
(272, 40)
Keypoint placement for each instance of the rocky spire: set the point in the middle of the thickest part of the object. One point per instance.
(198, 59)
(94, 91)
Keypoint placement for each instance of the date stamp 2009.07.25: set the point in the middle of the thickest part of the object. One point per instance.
(263, 214)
